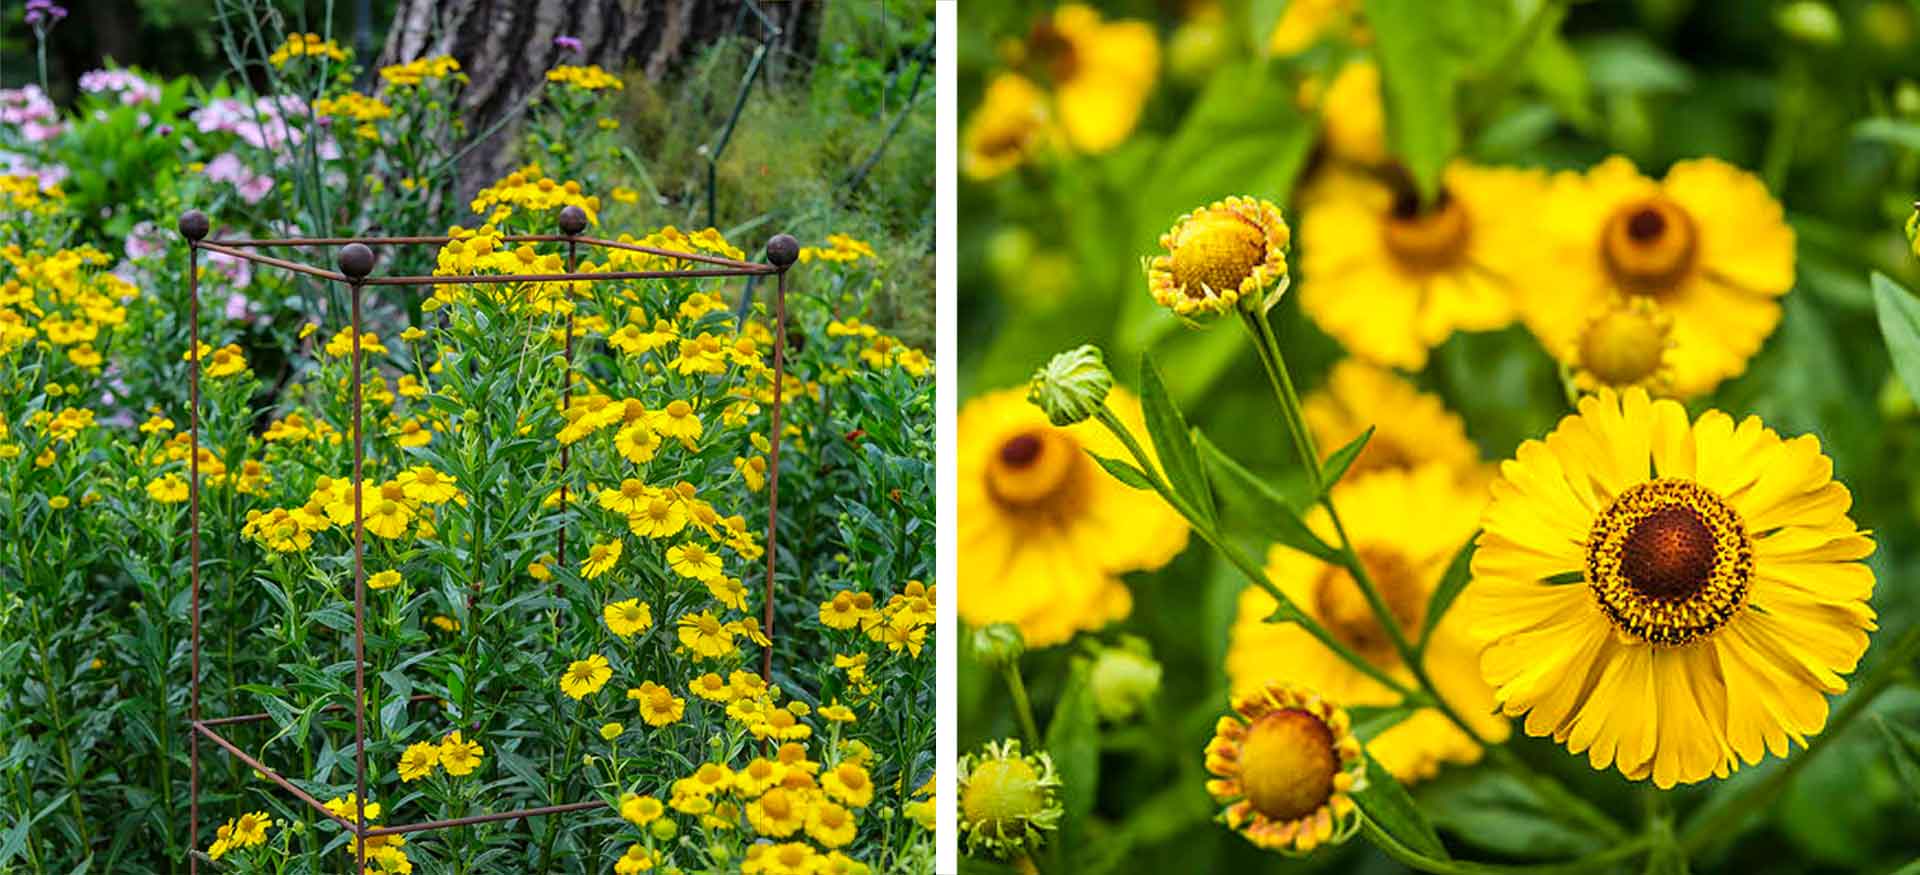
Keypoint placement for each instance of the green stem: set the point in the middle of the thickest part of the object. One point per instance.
(1415, 860)
(1245, 565)
(1267, 344)
(1720, 823)
(1022, 706)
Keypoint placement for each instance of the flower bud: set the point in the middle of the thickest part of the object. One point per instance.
(1123, 679)
(998, 645)
(1072, 386)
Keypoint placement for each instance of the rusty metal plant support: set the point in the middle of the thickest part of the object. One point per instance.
(355, 261)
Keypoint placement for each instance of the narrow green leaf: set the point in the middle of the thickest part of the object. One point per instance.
(1337, 464)
(1371, 720)
(1387, 804)
(1459, 571)
(1904, 744)
(1123, 471)
(1270, 515)
(1172, 442)
(1418, 73)
(1900, 324)
(1897, 132)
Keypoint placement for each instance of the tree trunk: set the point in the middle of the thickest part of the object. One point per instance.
(506, 47)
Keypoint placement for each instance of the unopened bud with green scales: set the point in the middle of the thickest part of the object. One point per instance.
(998, 645)
(1913, 230)
(1009, 803)
(1122, 678)
(1071, 387)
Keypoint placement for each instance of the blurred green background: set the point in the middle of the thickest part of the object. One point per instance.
(1820, 99)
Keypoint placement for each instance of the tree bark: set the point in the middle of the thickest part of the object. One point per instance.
(506, 47)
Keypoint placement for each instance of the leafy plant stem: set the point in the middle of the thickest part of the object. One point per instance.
(1719, 823)
(1245, 565)
(1557, 793)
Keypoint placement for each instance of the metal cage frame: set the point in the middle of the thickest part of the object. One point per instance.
(356, 261)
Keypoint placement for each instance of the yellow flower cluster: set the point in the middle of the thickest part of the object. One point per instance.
(883, 350)
(64, 300)
(23, 193)
(588, 78)
(386, 855)
(840, 248)
(388, 509)
(458, 756)
(306, 45)
(530, 189)
(420, 70)
(246, 831)
(358, 107)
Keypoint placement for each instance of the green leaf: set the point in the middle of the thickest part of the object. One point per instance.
(1073, 741)
(1896, 132)
(1172, 442)
(1900, 325)
(1459, 571)
(1270, 515)
(1494, 811)
(1123, 471)
(1371, 720)
(1387, 804)
(1336, 465)
(1418, 73)
(1904, 744)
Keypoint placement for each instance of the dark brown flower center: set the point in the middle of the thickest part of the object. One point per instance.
(1035, 469)
(1021, 450)
(1668, 555)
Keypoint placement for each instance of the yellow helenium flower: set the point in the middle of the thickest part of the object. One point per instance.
(641, 810)
(1285, 764)
(460, 757)
(705, 635)
(600, 558)
(1044, 533)
(1219, 254)
(1406, 563)
(659, 517)
(830, 825)
(383, 580)
(1007, 129)
(418, 761)
(1102, 73)
(585, 677)
(849, 783)
(1352, 116)
(777, 813)
(694, 560)
(628, 498)
(1392, 277)
(1721, 595)
(628, 618)
(1708, 243)
(1410, 428)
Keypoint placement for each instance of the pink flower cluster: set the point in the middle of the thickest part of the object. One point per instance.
(131, 87)
(266, 123)
(28, 109)
(16, 164)
(228, 168)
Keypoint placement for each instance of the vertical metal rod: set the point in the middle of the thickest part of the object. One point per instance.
(359, 607)
(773, 463)
(193, 545)
(566, 404)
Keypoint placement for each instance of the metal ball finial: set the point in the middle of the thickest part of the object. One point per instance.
(573, 220)
(356, 261)
(783, 250)
(194, 225)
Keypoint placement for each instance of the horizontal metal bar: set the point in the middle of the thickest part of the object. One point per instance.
(269, 260)
(201, 727)
(255, 718)
(511, 238)
(558, 277)
(689, 256)
(485, 818)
